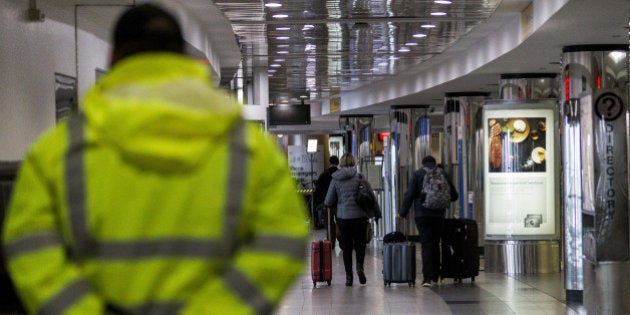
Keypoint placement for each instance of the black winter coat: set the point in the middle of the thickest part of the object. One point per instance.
(323, 181)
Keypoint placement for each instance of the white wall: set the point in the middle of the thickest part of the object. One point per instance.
(30, 55)
(32, 52)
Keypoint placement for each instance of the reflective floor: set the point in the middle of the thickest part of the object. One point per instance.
(491, 293)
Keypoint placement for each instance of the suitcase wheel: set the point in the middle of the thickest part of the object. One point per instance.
(472, 279)
(314, 284)
(385, 282)
(328, 282)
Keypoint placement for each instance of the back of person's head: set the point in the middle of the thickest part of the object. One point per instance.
(429, 161)
(347, 160)
(334, 160)
(146, 28)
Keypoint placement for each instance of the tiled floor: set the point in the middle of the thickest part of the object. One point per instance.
(491, 293)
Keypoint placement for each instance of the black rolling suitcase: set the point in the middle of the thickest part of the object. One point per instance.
(460, 250)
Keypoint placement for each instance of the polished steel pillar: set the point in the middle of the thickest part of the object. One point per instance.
(595, 142)
(529, 86)
(525, 256)
(462, 158)
(358, 139)
(358, 135)
(409, 142)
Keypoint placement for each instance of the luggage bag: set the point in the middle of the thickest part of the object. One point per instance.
(394, 237)
(399, 263)
(460, 250)
(331, 226)
(321, 262)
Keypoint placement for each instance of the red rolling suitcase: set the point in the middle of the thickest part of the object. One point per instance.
(321, 262)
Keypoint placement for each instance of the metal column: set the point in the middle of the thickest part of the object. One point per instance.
(525, 256)
(358, 135)
(595, 143)
(462, 152)
(409, 143)
(358, 139)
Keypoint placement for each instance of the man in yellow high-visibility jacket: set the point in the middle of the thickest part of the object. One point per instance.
(158, 199)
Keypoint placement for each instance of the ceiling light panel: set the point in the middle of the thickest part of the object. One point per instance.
(333, 41)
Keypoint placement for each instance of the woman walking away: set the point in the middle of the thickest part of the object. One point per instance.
(351, 219)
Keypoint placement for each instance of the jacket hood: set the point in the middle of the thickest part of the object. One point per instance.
(160, 110)
(344, 173)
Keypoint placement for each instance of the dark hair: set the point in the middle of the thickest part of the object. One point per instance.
(428, 161)
(146, 28)
(334, 160)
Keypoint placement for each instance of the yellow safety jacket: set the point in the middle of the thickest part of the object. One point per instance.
(159, 199)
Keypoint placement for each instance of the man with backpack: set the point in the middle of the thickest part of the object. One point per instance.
(431, 191)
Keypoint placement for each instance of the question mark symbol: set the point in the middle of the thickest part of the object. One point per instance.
(610, 104)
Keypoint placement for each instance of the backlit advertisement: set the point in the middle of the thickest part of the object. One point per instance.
(520, 185)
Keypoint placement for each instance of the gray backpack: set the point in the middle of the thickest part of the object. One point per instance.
(436, 191)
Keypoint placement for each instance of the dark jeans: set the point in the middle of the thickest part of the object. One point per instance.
(430, 229)
(353, 233)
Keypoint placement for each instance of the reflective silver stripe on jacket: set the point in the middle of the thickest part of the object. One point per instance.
(280, 244)
(75, 189)
(32, 243)
(247, 291)
(68, 296)
(83, 244)
(149, 308)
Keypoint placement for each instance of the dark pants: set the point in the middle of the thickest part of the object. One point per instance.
(353, 237)
(430, 229)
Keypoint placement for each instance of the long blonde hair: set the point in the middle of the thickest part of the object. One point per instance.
(347, 160)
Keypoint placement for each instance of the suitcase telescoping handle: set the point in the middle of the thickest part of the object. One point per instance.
(321, 260)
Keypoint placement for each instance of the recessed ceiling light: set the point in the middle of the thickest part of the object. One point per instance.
(283, 52)
(404, 49)
(279, 60)
(272, 70)
(411, 44)
(283, 28)
(427, 26)
(283, 45)
(438, 13)
(283, 37)
(617, 56)
(442, 1)
(419, 35)
(275, 65)
(394, 58)
(282, 16)
(273, 4)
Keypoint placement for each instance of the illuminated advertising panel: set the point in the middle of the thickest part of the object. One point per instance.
(520, 166)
